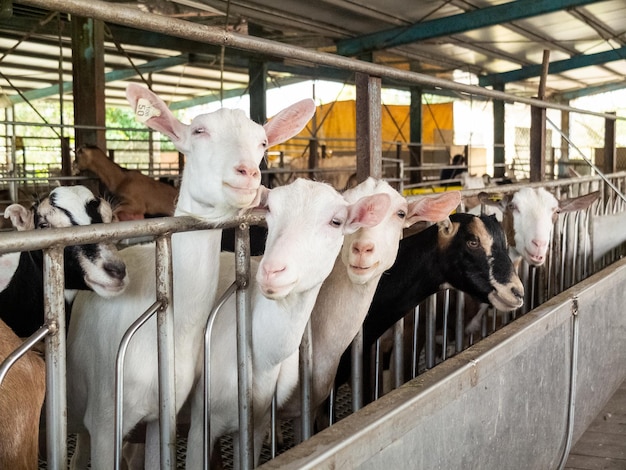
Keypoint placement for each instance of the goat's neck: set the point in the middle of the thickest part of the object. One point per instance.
(110, 173)
(339, 311)
(285, 320)
(416, 274)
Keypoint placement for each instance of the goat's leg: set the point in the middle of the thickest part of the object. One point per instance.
(82, 451)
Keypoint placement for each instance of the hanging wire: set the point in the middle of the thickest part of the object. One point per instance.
(587, 160)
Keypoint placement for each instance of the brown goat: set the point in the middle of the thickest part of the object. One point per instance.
(21, 398)
(139, 194)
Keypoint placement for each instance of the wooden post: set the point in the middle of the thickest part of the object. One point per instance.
(88, 80)
(368, 127)
(538, 128)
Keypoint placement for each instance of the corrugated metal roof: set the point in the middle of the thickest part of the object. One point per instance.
(494, 40)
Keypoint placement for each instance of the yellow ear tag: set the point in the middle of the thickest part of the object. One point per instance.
(145, 110)
(495, 197)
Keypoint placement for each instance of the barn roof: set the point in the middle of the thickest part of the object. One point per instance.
(497, 43)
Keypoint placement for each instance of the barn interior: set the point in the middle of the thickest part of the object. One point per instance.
(530, 93)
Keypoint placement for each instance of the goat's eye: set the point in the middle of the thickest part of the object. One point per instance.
(473, 243)
(264, 144)
(43, 225)
(198, 130)
(336, 222)
(401, 214)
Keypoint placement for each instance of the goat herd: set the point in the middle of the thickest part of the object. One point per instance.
(338, 260)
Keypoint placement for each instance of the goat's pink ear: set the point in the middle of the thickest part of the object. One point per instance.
(289, 122)
(578, 203)
(21, 218)
(368, 211)
(432, 208)
(154, 113)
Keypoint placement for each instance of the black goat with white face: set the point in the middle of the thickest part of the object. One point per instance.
(96, 267)
(466, 252)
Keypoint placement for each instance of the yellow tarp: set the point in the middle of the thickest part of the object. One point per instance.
(337, 120)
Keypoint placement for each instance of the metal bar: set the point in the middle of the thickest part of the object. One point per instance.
(135, 18)
(398, 352)
(207, 373)
(431, 312)
(571, 409)
(22, 350)
(119, 379)
(84, 234)
(356, 381)
(165, 333)
(306, 377)
(56, 394)
(415, 352)
(244, 347)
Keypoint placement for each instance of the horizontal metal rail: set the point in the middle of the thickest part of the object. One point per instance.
(132, 17)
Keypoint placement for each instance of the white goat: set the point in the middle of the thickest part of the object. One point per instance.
(306, 225)
(221, 177)
(528, 216)
(345, 296)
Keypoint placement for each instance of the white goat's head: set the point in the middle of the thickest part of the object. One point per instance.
(370, 251)
(223, 150)
(93, 266)
(306, 223)
(528, 218)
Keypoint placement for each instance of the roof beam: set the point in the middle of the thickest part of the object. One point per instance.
(590, 90)
(576, 62)
(123, 74)
(454, 24)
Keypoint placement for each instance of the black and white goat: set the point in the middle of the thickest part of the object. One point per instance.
(466, 252)
(96, 267)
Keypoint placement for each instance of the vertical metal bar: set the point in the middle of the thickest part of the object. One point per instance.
(431, 313)
(377, 369)
(415, 355)
(244, 346)
(56, 395)
(398, 352)
(118, 407)
(273, 428)
(206, 437)
(306, 376)
(460, 321)
(331, 406)
(165, 334)
(446, 311)
(356, 381)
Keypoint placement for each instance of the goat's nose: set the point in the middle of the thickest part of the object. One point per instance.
(361, 248)
(539, 243)
(115, 270)
(271, 270)
(244, 170)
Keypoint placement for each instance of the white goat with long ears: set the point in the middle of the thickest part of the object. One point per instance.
(306, 223)
(528, 217)
(345, 296)
(221, 177)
